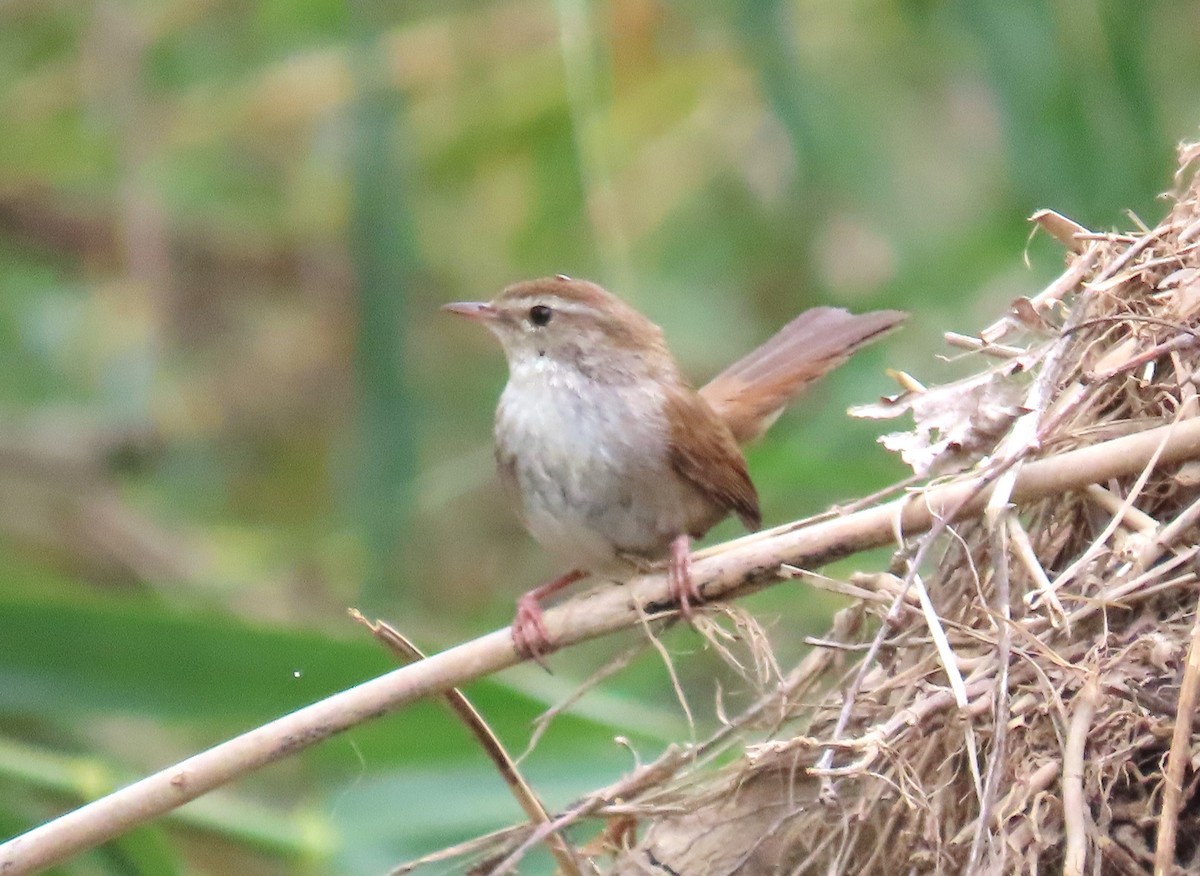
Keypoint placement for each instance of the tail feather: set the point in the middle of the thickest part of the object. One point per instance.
(751, 393)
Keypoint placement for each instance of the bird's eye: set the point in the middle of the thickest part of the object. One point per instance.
(540, 314)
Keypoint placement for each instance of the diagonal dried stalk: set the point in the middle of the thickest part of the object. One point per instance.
(1179, 756)
(464, 709)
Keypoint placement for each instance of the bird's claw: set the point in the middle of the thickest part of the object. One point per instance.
(530, 637)
(680, 582)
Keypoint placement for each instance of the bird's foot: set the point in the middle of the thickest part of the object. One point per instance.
(530, 637)
(529, 630)
(680, 583)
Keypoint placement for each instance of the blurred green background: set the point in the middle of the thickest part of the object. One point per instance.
(229, 407)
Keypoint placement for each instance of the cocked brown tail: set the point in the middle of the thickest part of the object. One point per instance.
(751, 393)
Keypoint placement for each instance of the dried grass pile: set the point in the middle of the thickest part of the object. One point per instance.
(1016, 694)
(1025, 669)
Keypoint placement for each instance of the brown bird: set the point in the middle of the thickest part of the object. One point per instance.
(611, 458)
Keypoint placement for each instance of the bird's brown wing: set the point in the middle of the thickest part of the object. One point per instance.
(702, 450)
(750, 393)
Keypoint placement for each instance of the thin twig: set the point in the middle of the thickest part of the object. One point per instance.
(402, 647)
(978, 345)
(1073, 800)
(1043, 592)
(1114, 594)
(1182, 341)
(941, 644)
(674, 759)
(1061, 285)
(872, 742)
(1097, 545)
(998, 532)
(543, 721)
(1179, 757)
(949, 662)
(1170, 533)
(1066, 231)
(824, 766)
(834, 585)
(669, 665)
(476, 845)
(1122, 510)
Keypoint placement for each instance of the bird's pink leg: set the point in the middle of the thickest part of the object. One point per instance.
(679, 576)
(528, 629)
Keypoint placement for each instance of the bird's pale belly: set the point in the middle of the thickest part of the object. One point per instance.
(594, 487)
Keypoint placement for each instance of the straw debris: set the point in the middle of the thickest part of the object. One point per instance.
(1015, 694)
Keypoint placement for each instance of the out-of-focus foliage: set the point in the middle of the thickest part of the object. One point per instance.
(229, 407)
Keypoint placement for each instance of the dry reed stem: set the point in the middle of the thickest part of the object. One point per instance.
(1043, 590)
(998, 517)
(543, 721)
(1074, 803)
(1179, 756)
(673, 760)
(1170, 534)
(465, 711)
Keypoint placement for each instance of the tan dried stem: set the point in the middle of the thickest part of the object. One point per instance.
(1179, 757)
(1075, 807)
(403, 647)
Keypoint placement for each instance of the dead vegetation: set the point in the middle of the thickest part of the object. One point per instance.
(1016, 694)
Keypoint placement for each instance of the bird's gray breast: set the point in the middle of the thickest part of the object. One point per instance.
(588, 465)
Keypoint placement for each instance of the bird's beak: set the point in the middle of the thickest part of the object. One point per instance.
(479, 311)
